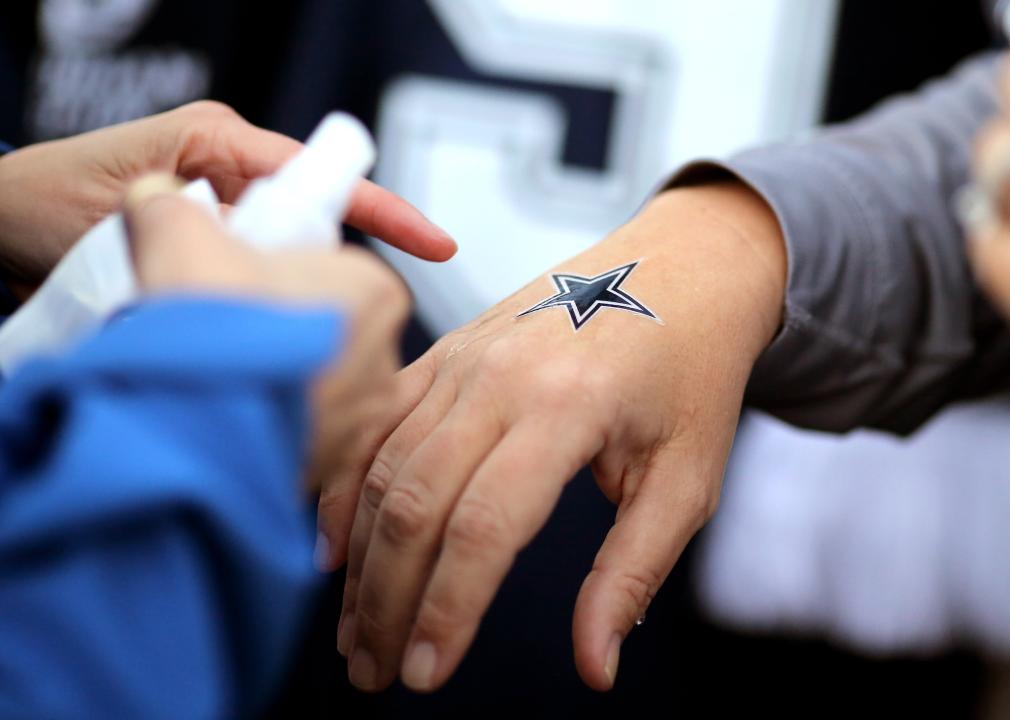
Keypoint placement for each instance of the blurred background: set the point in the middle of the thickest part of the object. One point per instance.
(864, 574)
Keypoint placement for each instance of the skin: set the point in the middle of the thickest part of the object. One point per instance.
(65, 187)
(989, 248)
(493, 421)
(179, 248)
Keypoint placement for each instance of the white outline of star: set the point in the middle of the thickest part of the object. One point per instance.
(563, 283)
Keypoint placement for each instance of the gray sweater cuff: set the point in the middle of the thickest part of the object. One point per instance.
(883, 322)
(822, 342)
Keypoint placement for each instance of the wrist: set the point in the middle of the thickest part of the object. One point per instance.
(726, 238)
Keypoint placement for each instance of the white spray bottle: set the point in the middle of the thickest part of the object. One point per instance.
(302, 204)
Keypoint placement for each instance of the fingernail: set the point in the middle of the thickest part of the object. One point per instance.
(345, 633)
(419, 667)
(363, 669)
(613, 658)
(151, 186)
(321, 556)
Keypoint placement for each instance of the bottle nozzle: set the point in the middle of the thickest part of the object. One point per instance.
(336, 156)
(305, 200)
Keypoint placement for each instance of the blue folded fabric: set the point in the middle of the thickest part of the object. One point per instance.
(155, 540)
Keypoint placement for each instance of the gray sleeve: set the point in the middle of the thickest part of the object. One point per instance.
(883, 323)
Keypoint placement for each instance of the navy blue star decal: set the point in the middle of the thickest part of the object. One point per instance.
(583, 297)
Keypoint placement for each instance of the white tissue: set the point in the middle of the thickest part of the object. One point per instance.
(92, 281)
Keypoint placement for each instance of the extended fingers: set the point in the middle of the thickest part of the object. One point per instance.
(508, 500)
(385, 215)
(340, 491)
(406, 537)
(218, 144)
(377, 480)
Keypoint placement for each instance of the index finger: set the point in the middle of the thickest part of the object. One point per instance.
(230, 152)
(385, 215)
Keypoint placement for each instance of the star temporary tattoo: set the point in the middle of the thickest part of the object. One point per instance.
(583, 297)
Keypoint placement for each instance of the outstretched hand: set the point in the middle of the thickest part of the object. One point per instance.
(491, 423)
(61, 189)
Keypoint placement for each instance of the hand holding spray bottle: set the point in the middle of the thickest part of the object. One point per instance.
(300, 206)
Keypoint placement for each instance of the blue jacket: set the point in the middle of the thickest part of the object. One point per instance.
(155, 542)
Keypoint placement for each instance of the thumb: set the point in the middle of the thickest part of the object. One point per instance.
(653, 527)
(175, 243)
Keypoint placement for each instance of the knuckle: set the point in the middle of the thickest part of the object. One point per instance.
(335, 498)
(396, 294)
(706, 508)
(376, 484)
(596, 382)
(437, 617)
(209, 108)
(699, 505)
(381, 287)
(639, 588)
(498, 361)
(351, 586)
(573, 377)
(477, 527)
(386, 285)
(368, 623)
(403, 515)
(371, 439)
(550, 388)
(569, 384)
